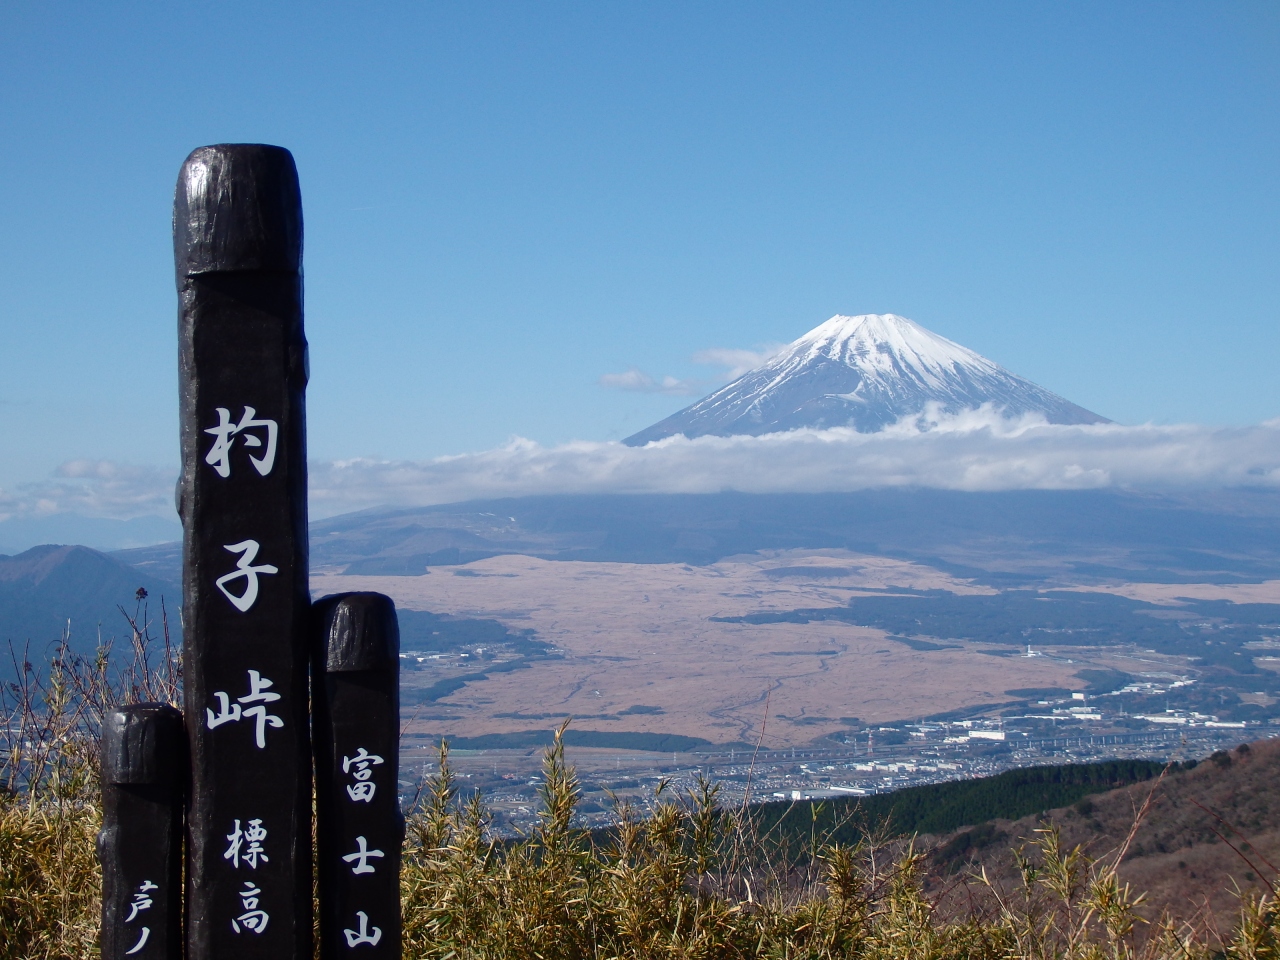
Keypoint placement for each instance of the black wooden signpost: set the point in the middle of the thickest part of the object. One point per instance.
(140, 846)
(237, 236)
(249, 634)
(356, 716)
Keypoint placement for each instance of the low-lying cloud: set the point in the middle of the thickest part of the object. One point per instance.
(977, 450)
(93, 488)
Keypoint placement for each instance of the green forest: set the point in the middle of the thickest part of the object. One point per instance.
(942, 807)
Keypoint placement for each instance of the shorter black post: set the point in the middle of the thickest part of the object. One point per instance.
(144, 774)
(356, 732)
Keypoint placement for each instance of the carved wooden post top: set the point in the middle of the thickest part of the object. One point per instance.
(237, 207)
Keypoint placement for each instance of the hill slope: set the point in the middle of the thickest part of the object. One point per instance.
(45, 587)
(1180, 856)
(863, 372)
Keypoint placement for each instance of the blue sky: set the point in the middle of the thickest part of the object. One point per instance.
(505, 203)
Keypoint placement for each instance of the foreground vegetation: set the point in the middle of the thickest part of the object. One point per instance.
(680, 878)
(684, 881)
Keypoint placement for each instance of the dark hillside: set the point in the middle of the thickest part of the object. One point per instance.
(1180, 856)
(43, 588)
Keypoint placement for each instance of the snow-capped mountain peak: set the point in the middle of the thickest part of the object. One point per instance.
(884, 346)
(863, 372)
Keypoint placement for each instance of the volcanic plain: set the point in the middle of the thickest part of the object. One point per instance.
(637, 648)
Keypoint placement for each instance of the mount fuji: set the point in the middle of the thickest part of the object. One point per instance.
(863, 372)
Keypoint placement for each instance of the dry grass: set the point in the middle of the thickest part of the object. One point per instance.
(681, 879)
(680, 882)
(50, 880)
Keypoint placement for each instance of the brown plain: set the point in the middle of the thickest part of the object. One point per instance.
(642, 634)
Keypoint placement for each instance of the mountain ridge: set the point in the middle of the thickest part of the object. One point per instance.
(1225, 536)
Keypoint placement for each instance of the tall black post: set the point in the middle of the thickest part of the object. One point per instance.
(237, 235)
(359, 829)
(140, 847)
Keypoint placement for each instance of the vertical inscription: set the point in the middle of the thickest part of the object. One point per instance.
(359, 829)
(242, 497)
(140, 846)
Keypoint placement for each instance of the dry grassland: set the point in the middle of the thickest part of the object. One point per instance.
(1268, 591)
(641, 634)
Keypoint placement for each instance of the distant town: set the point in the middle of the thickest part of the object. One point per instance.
(1077, 728)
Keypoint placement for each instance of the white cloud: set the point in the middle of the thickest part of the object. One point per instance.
(737, 362)
(638, 381)
(93, 488)
(979, 450)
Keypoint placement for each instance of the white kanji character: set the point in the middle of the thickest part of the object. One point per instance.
(219, 455)
(355, 938)
(263, 721)
(142, 942)
(248, 550)
(362, 855)
(362, 760)
(140, 900)
(236, 836)
(227, 711)
(358, 766)
(139, 903)
(254, 920)
(258, 693)
(255, 834)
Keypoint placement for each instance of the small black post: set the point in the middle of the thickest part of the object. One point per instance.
(359, 827)
(242, 496)
(144, 772)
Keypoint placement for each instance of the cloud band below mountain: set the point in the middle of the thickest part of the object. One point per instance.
(974, 451)
(978, 450)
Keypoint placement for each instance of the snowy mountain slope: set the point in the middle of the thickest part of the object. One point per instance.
(863, 372)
